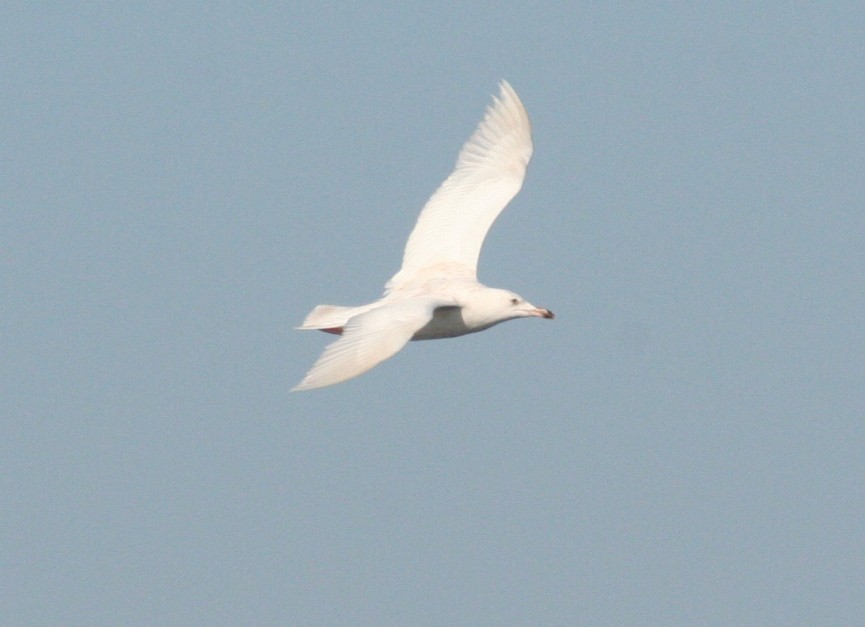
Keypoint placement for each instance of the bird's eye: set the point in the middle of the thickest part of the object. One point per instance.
(515, 301)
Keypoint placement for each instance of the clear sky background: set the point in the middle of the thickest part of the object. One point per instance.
(684, 444)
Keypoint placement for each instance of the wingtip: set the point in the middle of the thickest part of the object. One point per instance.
(508, 103)
(303, 386)
(506, 90)
(307, 383)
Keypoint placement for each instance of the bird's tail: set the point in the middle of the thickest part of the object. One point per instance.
(326, 317)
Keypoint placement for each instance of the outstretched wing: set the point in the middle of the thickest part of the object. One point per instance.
(490, 170)
(368, 339)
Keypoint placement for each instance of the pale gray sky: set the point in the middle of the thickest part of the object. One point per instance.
(682, 445)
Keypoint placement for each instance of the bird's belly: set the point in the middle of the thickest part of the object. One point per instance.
(446, 322)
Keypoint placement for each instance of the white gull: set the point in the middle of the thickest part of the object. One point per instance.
(436, 293)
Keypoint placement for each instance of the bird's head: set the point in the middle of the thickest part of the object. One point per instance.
(519, 307)
(491, 306)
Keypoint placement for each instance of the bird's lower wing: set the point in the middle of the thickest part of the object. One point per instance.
(368, 339)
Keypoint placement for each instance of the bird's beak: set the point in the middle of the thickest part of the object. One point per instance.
(542, 313)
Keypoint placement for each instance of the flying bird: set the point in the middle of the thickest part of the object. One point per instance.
(436, 293)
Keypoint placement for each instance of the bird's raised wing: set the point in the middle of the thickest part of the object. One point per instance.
(490, 170)
(368, 339)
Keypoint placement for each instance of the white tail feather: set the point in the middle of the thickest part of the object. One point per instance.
(331, 316)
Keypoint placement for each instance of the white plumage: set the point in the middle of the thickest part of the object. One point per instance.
(436, 294)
